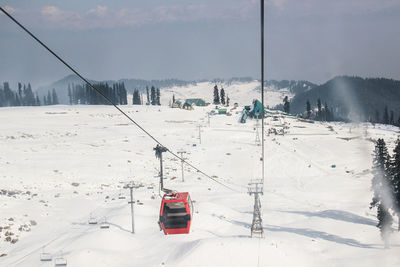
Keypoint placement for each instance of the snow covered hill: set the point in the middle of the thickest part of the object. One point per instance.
(61, 166)
(242, 93)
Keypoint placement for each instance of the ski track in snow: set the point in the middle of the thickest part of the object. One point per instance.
(75, 160)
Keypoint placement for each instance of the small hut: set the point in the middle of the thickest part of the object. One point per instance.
(177, 104)
(187, 106)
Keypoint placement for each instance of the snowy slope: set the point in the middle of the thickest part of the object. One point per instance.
(66, 165)
(242, 93)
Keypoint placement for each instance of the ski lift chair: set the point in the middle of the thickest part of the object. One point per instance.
(104, 224)
(92, 220)
(120, 195)
(176, 213)
(45, 256)
(60, 262)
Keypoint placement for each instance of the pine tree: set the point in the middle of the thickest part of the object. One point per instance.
(49, 100)
(37, 100)
(136, 97)
(29, 96)
(148, 96)
(173, 98)
(222, 96)
(326, 112)
(54, 97)
(216, 95)
(8, 95)
(385, 221)
(396, 179)
(69, 94)
(17, 100)
(377, 117)
(391, 120)
(381, 187)
(385, 116)
(1, 97)
(227, 100)
(124, 93)
(319, 109)
(286, 105)
(20, 92)
(153, 96)
(308, 109)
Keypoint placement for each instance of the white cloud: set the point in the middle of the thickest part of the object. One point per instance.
(98, 11)
(8, 9)
(61, 18)
(53, 13)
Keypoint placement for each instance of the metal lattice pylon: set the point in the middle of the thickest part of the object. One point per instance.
(256, 189)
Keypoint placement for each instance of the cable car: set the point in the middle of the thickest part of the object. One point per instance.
(176, 213)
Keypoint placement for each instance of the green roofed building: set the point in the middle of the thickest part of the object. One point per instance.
(196, 101)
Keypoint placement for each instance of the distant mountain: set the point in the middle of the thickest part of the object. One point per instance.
(352, 98)
(61, 86)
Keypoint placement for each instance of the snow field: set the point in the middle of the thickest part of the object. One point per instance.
(78, 158)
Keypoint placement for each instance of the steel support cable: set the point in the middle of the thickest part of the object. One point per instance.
(110, 101)
(262, 90)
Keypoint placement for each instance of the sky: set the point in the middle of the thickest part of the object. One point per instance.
(312, 40)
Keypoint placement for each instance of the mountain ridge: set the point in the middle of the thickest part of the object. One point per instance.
(352, 97)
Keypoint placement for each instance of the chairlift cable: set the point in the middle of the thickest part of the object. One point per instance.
(110, 101)
(262, 91)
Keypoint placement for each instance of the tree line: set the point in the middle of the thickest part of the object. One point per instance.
(153, 96)
(219, 96)
(84, 95)
(387, 118)
(386, 187)
(323, 113)
(24, 96)
(354, 98)
(80, 94)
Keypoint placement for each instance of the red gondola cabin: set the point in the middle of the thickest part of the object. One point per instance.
(176, 213)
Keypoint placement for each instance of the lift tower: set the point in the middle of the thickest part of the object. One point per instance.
(256, 189)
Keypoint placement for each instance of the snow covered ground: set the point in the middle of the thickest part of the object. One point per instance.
(61, 166)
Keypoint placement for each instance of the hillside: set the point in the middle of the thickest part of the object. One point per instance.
(353, 98)
(130, 84)
(62, 166)
(240, 90)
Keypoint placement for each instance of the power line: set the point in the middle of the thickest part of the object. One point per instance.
(109, 100)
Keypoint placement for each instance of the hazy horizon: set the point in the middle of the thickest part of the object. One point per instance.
(312, 40)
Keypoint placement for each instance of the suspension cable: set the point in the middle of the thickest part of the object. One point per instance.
(110, 101)
(262, 90)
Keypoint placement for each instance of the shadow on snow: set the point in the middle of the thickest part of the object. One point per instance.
(337, 215)
(307, 233)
